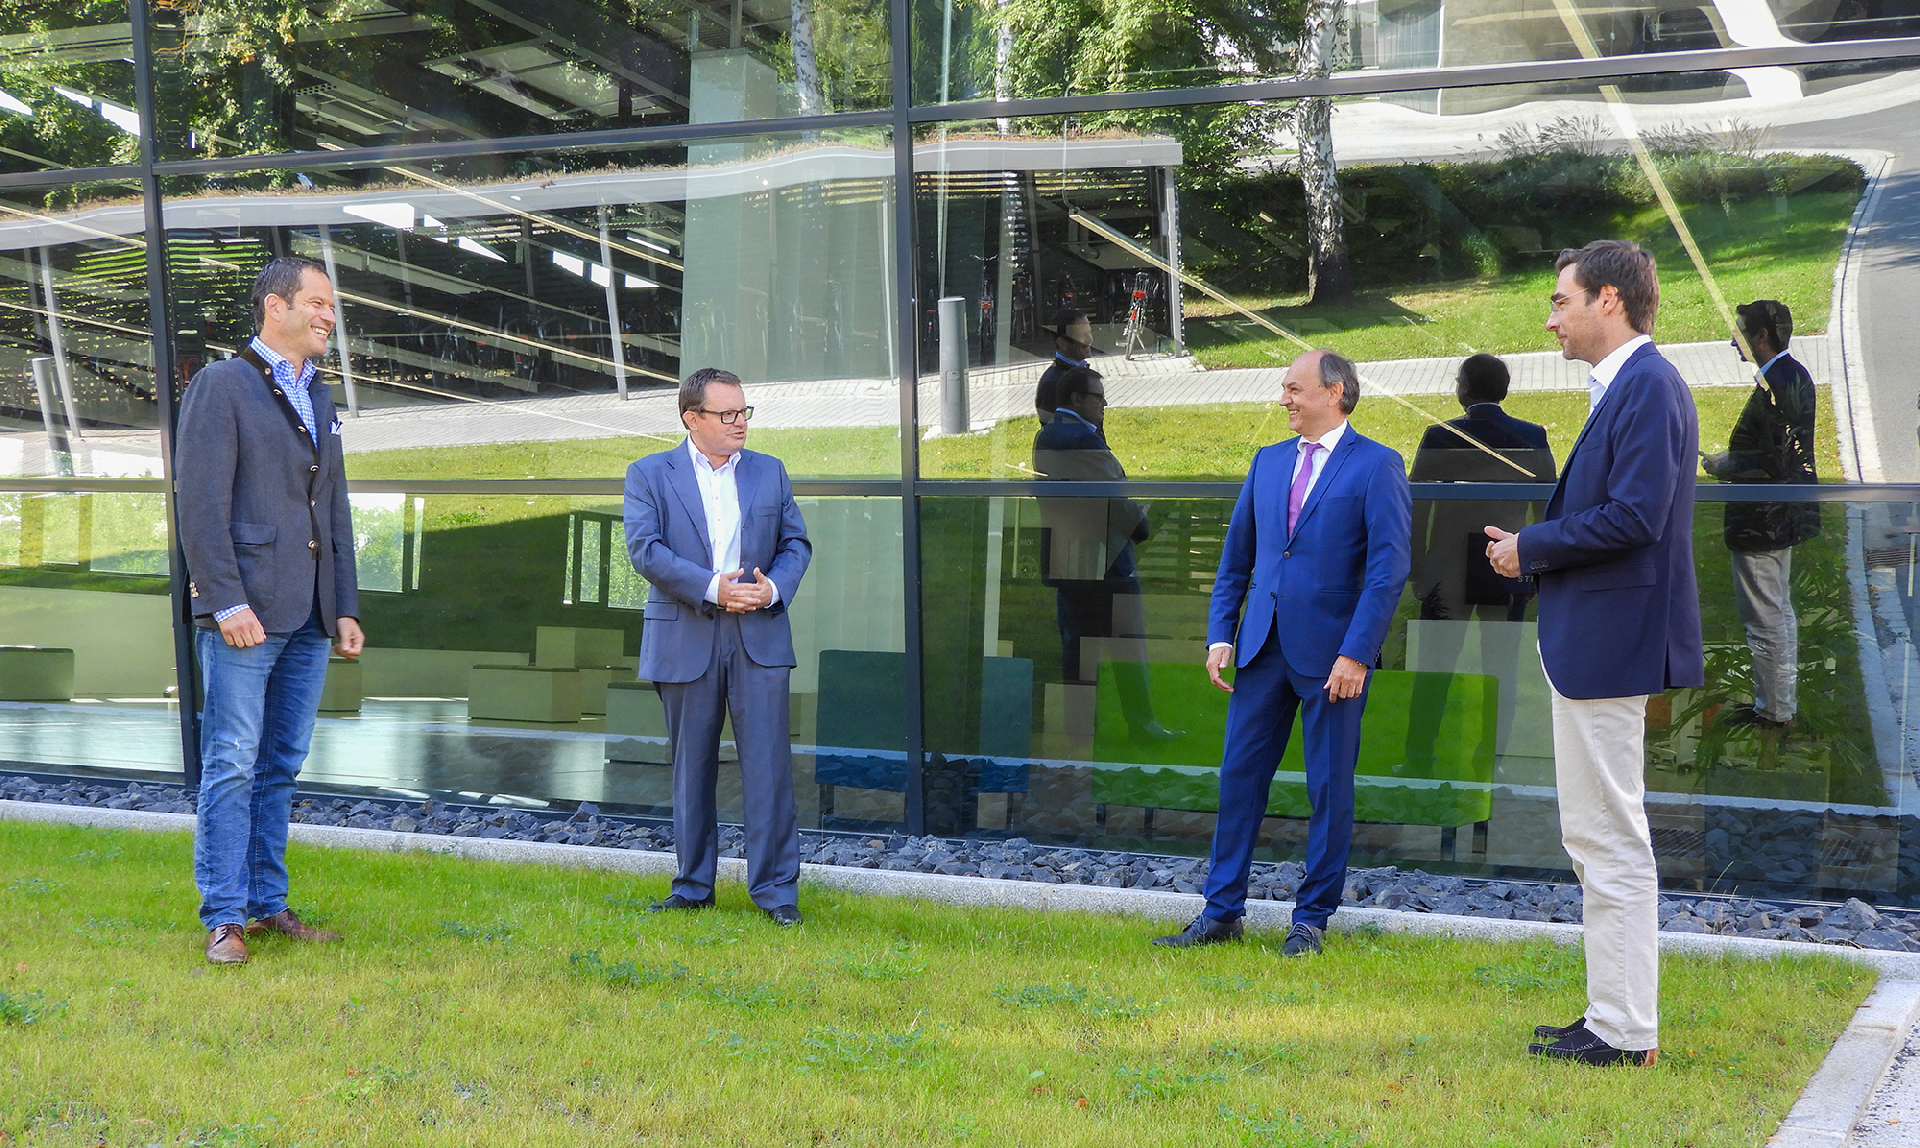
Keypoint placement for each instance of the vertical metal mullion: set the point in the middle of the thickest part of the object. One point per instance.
(907, 348)
(160, 321)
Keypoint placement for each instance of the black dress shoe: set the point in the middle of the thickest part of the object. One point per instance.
(1582, 1047)
(1746, 717)
(785, 916)
(1302, 941)
(1202, 930)
(676, 901)
(1555, 1031)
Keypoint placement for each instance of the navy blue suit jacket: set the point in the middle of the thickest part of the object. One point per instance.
(667, 541)
(1619, 611)
(1333, 584)
(1490, 426)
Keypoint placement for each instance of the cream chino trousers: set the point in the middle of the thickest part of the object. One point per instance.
(1599, 763)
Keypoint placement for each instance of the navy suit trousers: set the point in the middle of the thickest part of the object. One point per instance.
(1266, 695)
(756, 697)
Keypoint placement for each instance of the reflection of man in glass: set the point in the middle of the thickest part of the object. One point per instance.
(1771, 442)
(1451, 577)
(1072, 343)
(1087, 548)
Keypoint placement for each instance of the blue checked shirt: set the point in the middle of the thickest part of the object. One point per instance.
(296, 392)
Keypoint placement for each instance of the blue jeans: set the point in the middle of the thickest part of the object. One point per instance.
(258, 706)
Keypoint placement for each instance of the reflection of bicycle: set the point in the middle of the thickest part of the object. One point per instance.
(1135, 338)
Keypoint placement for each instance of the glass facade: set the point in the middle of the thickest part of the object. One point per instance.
(889, 219)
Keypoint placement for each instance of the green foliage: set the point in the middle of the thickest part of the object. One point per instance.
(28, 1007)
(485, 934)
(1541, 968)
(841, 1049)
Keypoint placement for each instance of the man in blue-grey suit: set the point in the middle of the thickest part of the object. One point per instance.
(1619, 621)
(1316, 555)
(715, 530)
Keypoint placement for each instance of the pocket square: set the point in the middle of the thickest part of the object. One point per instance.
(335, 428)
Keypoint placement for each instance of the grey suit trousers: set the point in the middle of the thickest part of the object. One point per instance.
(756, 697)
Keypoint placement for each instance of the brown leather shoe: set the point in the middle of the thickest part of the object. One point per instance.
(287, 925)
(226, 945)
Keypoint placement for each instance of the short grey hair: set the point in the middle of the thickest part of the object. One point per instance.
(1338, 370)
(693, 388)
(280, 277)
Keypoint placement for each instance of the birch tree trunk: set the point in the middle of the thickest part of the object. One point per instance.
(1329, 279)
(806, 72)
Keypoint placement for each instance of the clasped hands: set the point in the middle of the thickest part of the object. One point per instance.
(744, 597)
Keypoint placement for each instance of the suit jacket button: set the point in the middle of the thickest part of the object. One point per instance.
(313, 470)
(1286, 554)
(311, 545)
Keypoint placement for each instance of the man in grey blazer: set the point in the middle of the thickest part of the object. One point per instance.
(268, 538)
(715, 530)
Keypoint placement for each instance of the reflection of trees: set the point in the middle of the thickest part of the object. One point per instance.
(77, 45)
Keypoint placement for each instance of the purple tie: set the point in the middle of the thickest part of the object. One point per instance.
(1298, 495)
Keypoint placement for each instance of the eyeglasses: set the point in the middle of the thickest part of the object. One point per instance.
(1558, 303)
(744, 414)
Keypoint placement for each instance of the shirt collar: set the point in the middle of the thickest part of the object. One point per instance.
(1329, 440)
(701, 464)
(1605, 370)
(1076, 417)
(1768, 365)
(1071, 362)
(278, 362)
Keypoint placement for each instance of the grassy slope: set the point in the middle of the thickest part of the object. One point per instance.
(452, 1016)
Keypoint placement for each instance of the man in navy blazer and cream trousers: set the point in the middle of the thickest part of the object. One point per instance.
(1316, 555)
(1619, 621)
(715, 530)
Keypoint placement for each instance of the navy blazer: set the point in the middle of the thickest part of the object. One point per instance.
(1490, 426)
(667, 542)
(1333, 585)
(1619, 611)
(264, 518)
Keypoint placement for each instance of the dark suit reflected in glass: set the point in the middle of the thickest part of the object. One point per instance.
(1451, 576)
(1072, 342)
(1087, 552)
(1771, 442)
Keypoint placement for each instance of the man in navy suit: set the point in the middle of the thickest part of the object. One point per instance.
(715, 639)
(1316, 555)
(1619, 621)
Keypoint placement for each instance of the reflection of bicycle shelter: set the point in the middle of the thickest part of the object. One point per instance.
(997, 229)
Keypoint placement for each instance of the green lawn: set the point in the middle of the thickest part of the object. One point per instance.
(1200, 442)
(517, 1005)
(1752, 252)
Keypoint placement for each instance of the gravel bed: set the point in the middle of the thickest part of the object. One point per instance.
(1854, 923)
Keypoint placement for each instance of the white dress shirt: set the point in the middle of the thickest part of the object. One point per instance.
(1328, 441)
(720, 494)
(1605, 370)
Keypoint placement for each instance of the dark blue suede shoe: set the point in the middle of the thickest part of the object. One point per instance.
(1202, 930)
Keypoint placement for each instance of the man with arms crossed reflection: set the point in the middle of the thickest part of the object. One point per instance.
(1317, 552)
(268, 537)
(714, 527)
(1619, 621)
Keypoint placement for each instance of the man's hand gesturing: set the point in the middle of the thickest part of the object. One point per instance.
(1504, 552)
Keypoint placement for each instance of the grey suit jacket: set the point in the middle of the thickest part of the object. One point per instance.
(264, 519)
(667, 542)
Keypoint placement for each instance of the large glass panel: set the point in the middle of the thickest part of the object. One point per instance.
(1024, 49)
(478, 297)
(240, 79)
(1067, 701)
(66, 85)
(76, 353)
(87, 681)
(504, 664)
(1430, 238)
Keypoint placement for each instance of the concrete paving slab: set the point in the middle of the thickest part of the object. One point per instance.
(1837, 1096)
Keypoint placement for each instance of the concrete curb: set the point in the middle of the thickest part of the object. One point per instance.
(1833, 1101)
(973, 892)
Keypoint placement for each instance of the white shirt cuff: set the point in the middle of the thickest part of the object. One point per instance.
(1212, 646)
(713, 590)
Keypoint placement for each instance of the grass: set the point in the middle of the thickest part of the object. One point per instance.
(506, 1005)
(1752, 252)
(1198, 442)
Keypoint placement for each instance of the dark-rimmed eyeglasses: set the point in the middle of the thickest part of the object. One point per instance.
(744, 414)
